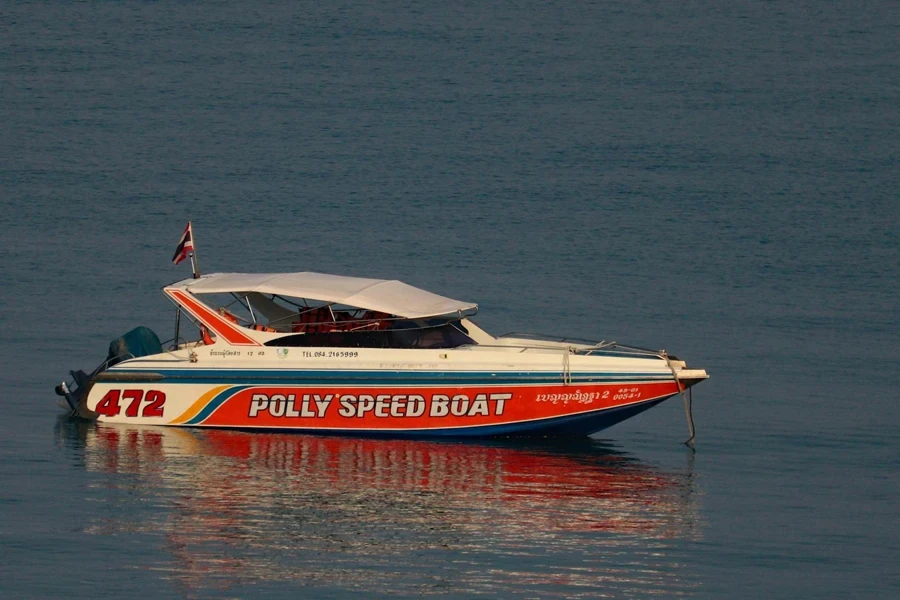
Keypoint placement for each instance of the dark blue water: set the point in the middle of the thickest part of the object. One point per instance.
(716, 179)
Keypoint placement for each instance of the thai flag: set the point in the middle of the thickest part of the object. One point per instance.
(185, 246)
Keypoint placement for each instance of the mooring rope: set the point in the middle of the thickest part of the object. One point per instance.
(688, 398)
(688, 409)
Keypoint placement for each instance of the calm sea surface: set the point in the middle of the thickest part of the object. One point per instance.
(719, 179)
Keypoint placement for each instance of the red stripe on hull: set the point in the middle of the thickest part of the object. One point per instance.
(403, 409)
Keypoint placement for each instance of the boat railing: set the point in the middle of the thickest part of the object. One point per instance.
(540, 337)
(113, 360)
(174, 344)
(576, 346)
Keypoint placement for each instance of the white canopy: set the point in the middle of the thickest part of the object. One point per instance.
(389, 296)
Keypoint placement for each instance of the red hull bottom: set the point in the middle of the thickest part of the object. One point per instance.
(430, 413)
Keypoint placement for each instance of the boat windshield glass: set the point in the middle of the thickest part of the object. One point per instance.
(316, 324)
(402, 334)
(274, 314)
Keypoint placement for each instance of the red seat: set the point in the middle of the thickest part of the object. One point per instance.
(317, 320)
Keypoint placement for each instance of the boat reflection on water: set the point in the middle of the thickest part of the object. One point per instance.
(391, 516)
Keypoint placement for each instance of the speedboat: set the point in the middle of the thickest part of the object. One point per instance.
(331, 354)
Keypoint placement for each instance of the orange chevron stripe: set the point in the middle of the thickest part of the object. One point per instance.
(197, 406)
(225, 329)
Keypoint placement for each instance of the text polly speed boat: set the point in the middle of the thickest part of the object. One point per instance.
(332, 354)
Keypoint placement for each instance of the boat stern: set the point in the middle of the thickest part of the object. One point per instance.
(74, 392)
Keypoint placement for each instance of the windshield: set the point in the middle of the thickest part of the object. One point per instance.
(403, 334)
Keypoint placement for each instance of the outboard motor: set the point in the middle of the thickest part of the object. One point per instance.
(140, 341)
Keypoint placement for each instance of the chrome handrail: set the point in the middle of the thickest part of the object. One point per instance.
(548, 338)
(602, 347)
(105, 364)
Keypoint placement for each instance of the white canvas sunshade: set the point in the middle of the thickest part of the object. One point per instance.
(384, 295)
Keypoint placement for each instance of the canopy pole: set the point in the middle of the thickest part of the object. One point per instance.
(177, 325)
(194, 264)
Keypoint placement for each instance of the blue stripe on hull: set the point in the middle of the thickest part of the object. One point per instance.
(332, 377)
(567, 426)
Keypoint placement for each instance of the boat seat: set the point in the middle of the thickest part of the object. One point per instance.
(318, 320)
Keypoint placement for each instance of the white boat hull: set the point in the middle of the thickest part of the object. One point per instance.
(383, 392)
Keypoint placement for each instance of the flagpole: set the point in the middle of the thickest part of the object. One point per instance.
(194, 264)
